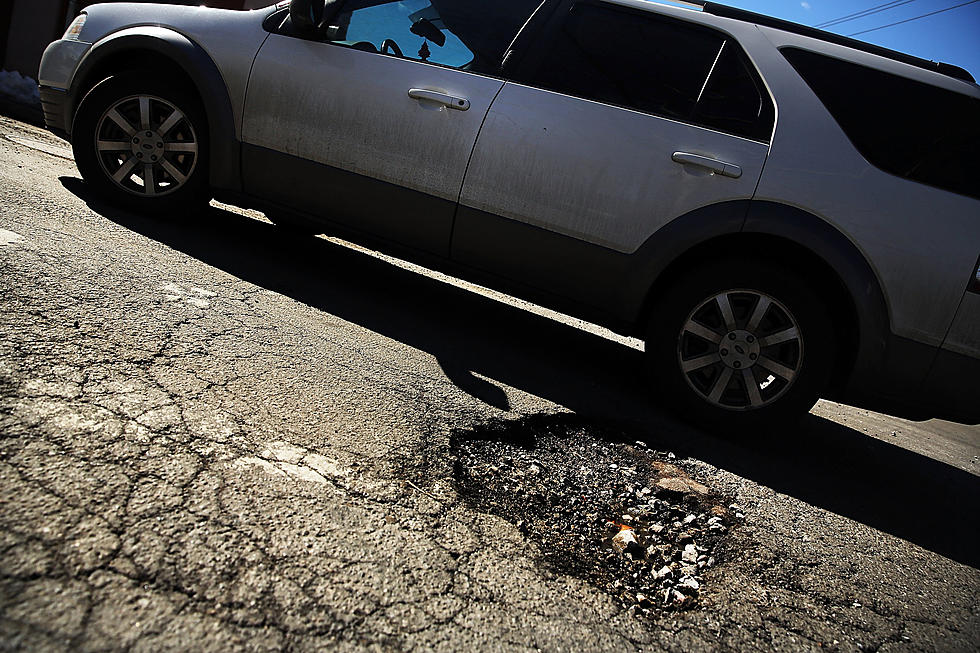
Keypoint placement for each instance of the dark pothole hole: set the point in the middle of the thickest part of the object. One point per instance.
(602, 507)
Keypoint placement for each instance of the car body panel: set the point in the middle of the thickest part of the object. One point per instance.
(59, 61)
(964, 333)
(412, 221)
(921, 262)
(596, 172)
(373, 128)
(230, 38)
(586, 280)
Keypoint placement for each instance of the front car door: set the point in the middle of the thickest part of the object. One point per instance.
(623, 121)
(372, 127)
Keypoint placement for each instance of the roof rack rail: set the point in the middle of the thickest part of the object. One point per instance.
(761, 19)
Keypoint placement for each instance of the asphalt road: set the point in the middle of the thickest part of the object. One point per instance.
(215, 436)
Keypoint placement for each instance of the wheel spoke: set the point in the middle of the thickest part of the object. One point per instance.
(172, 170)
(180, 146)
(149, 183)
(760, 312)
(124, 125)
(752, 388)
(169, 123)
(140, 162)
(779, 337)
(113, 146)
(776, 368)
(144, 112)
(720, 384)
(702, 332)
(124, 170)
(726, 311)
(699, 362)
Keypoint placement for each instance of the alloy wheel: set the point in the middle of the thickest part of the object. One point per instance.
(146, 145)
(740, 349)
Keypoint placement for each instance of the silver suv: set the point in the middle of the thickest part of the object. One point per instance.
(781, 213)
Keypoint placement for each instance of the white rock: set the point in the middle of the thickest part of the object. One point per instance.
(690, 554)
(623, 539)
(664, 572)
(689, 583)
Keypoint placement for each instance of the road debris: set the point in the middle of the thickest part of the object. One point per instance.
(623, 516)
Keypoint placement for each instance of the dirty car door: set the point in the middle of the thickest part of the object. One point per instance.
(372, 127)
(621, 122)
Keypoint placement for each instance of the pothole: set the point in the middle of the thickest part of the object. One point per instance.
(617, 513)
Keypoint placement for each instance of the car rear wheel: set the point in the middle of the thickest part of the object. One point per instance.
(741, 346)
(141, 142)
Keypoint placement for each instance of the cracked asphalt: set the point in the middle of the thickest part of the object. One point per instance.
(215, 436)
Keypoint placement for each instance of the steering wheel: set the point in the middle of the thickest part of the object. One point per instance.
(390, 43)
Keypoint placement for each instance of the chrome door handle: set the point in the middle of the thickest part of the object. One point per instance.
(714, 165)
(446, 100)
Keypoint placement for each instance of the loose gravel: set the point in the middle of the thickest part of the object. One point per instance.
(625, 517)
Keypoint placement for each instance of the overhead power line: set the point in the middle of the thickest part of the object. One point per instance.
(909, 20)
(865, 12)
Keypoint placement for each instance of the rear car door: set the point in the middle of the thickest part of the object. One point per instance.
(623, 121)
(371, 127)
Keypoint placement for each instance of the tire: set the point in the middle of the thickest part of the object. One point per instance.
(741, 346)
(159, 168)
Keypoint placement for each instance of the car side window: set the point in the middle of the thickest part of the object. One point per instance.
(411, 29)
(656, 65)
(733, 99)
(902, 126)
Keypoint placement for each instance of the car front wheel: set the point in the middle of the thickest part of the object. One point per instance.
(142, 143)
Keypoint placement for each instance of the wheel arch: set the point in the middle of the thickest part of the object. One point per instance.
(165, 50)
(808, 244)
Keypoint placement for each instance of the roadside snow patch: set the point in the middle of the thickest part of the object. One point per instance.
(19, 88)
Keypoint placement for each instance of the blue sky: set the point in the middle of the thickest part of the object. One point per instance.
(952, 36)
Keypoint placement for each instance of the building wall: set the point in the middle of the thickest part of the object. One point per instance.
(33, 24)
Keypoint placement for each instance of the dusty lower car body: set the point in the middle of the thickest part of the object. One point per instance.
(740, 192)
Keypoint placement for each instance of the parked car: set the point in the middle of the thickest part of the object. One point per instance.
(781, 213)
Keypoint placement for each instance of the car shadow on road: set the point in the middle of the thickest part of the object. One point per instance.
(819, 462)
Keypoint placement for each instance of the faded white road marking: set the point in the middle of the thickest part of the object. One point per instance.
(10, 237)
(48, 148)
(195, 296)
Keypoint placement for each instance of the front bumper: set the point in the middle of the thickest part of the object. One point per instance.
(58, 65)
(54, 104)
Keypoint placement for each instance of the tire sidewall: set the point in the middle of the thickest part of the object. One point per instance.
(83, 137)
(777, 281)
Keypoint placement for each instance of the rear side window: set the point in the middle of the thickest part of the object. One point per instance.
(904, 127)
(733, 99)
(656, 65)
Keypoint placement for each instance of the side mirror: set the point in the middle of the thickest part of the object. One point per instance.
(426, 29)
(310, 17)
